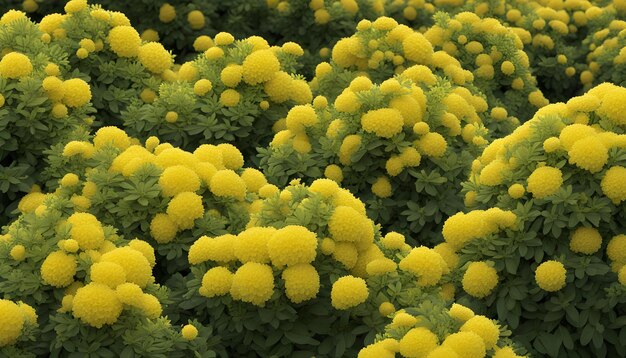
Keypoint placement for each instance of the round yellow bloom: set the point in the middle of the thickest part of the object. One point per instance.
(348, 292)
(189, 332)
(111, 135)
(613, 106)
(77, 92)
(124, 41)
(432, 144)
(163, 229)
(219, 249)
(302, 282)
(418, 342)
(425, 263)
(86, 230)
(386, 309)
(202, 87)
(614, 184)
(485, 328)
(589, 153)
(616, 249)
(177, 179)
(11, 322)
(460, 312)
(300, 117)
(466, 344)
(551, 144)
(385, 122)
(96, 305)
(228, 184)
(544, 181)
(292, 245)
(202, 43)
(417, 48)
(136, 266)
(155, 57)
(251, 244)
(260, 66)
(129, 293)
(217, 281)
(254, 283)
(18, 252)
(108, 273)
(381, 187)
(393, 240)
(196, 20)
(167, 13)
(347, 224)
(231, 75)
(15, 65)
(516, 191)
(585, 240)
(230, 98)
(442, 352)
(550, 276)
(479, 279)
(185, 208)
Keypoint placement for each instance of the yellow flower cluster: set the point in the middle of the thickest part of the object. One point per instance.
(13, 318)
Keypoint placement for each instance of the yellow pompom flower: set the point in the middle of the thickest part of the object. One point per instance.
(124, 41)
(348, 292)
(74, 6)
(254, 283)
(231, 75)
(251, 244)
(108, 273)
(228, 184)
(393, 240)
(589, 153)
(614, 184)
(550, 276)
(76, 92)
(516, 191)
(292, 245)
(479, 279)
(347, 224)
(381, 187)
(385, 122)
(136, 266)
(96, 305)
(185, 208)
(418, 342)
(177, 179)
(326, 187)
(585, 240)
(544, 181)
(260, 66)
(129, 293)
(155, 57)
(302, 282)
(613, 106)
(217, 281)
(189, 332)
(460, 312)
(163, 229)
(417, 48)
(386, 308)
(254, 179)
(219, 249)
(86, 230)
(202, 43)
(167, 13)
(15, 65)
(300, 117)
(202, 87)
(230, 98)
(425, 263)
(196, 20)
(11, 322)
(18, 252)
(466, 344)
(111, 135)
(485, 328)
(58, 269)
(432, 144)
(12, 15)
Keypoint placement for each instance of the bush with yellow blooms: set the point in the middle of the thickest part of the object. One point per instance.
(546, 231)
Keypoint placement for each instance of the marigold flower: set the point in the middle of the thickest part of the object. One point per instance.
(254, 283)
(479, 279)
(348, 292)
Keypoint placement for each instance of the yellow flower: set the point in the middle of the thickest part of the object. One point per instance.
(217, 281)
(417, 48)
(325, 187)
(96, 305)
(11, 322)
(202, 87)
(616, 249)
(167, 13)
(516, 191)
(15, 65)
(251, 244)
(589, 153)
(479, 279)
(386, 308)
(466, 344)
(393, 240)
(219, 249)
(135, 264)
(432, 144)
(585, 240)
(260, 66)
(349, 146)
(76, 92)
(347, 224)
(163, 229)
(177, 179)
(348, 292)
(424, 263)
(86, 230)
(544, 181)
(382, 187)
(381, 266)
(74, 6)
(155, 57)
(18, 252)
(124, 41)
(460, 312)
(189, 332)
(614, 184)
(300, 117)
(292, 245)
(613, 106)
(108, 273)
(485, 328)
(385, 122)
(228, 184)
(129, 293)
(230, 98)
(231, 75)
(418, 342)
(196, 20)
(185, 208)
(254, 283)
(202, 43)
(302, 282)
(550, 276)
(111, 135)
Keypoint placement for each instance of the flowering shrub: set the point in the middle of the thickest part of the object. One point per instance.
(39, 107)
(234, 92)
(433, 330)
(310, 274)
(402, 146)
(605, 61)
(18, 324)
(548, 228)
(87, 284)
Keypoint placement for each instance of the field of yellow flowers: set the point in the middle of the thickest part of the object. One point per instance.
(313, 178)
